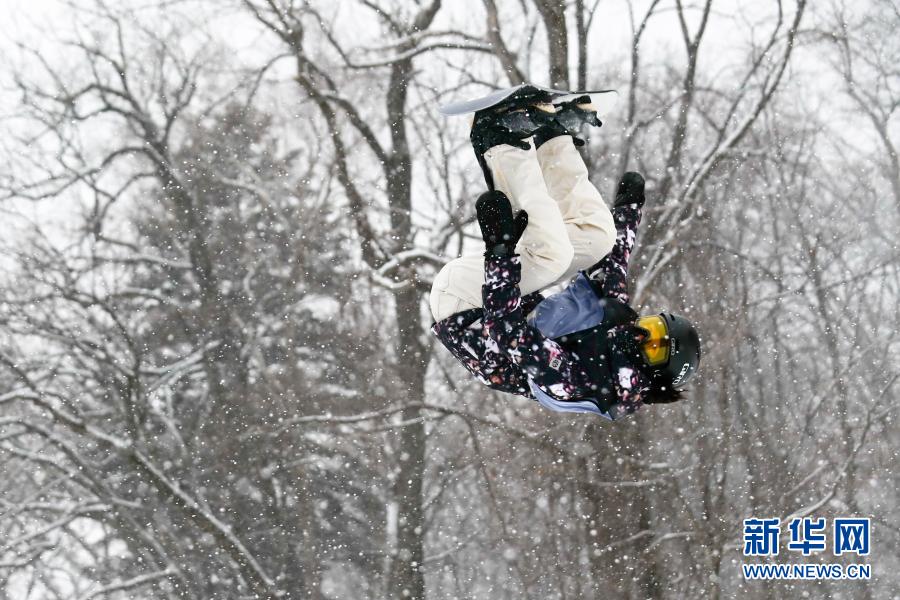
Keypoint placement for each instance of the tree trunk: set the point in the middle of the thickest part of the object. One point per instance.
(406, 579)
(553, 15)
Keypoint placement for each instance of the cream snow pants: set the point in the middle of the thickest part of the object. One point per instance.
(569, 225)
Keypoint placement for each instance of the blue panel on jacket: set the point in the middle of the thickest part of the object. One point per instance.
(576, 308)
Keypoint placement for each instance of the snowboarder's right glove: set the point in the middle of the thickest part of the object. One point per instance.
(499, 229)
(631, 190)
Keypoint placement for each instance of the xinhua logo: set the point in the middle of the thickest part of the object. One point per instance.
(807, 536)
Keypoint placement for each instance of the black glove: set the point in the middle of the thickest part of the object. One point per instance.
(499, 229)
(631, 189)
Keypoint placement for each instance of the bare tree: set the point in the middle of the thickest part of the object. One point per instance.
(215, 374)
(867, 64)
(174, 359)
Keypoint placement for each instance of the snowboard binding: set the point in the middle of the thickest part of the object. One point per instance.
(570, 118)
(514, 115)
(510, 123)
(574, 114)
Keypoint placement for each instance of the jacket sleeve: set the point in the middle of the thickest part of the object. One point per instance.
(542, 359)
(467, 344)
(610, 278)
(610, 274)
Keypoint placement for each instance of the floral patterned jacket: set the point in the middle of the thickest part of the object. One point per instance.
(507, 354)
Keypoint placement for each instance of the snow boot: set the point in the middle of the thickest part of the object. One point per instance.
(509, 124)
(571, 117)
(575, 114)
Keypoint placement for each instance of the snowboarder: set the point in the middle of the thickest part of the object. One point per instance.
(583, 349)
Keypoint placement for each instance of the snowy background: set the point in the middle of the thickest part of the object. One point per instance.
(219, 221)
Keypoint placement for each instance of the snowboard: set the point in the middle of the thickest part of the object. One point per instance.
(527, 92)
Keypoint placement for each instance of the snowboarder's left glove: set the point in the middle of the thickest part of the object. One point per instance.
(631, 189)
(499, 229)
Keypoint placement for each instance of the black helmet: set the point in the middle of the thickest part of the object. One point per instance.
(672, 347)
